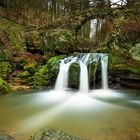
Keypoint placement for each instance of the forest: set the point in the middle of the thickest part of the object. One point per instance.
(33, 34)
(39, 37)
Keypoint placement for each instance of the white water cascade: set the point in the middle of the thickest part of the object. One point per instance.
(104, 64)
(83, 60)
(84, 86)
(59, 85)
(62, 78)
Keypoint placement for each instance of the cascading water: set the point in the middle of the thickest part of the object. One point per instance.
(104, 64)
(84, 86)
(66, 73)
(83, 60)
(62, 79)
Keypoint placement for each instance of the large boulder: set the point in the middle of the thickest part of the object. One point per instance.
(35, 42)
(53, 66)
(6, 137)
(60, 40)
(74, 76)
(53, 135)
(135, 51)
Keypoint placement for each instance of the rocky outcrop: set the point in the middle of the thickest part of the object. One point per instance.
(6, 137)
(124, 79)
(53, 135)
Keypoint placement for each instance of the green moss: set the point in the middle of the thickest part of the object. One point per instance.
(5, 69)
(123, 62)
(32, 68)
(53, 67)
(74, 75)
(102, 50)
(12, 36)
(135, 51)
(24, 75)
(41, 78)
(34, 41)
(46, 74)
(4, 87)
(60, 40)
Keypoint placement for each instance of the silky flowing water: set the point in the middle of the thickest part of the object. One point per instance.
(96, 115)
(100, 115)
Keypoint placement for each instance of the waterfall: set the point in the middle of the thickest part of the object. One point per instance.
(104, 64)
(62, 78)
(83, 60)
(66, 73)
(92, 28)
(59, 85)
(84, 86)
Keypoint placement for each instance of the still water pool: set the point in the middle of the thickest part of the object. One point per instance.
(99, 115)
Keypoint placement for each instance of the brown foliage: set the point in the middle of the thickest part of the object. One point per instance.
(131, 30)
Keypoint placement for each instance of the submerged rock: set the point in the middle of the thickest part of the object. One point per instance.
(53, 135)
(6, 137)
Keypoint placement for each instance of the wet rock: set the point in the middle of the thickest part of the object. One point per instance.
(135, 51)
(46, 74)
(124, 79)
(60, 40)
(74, 75)
(53, 135)
(34, 42)
(6, 137)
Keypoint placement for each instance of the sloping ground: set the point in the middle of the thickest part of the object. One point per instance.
(12, 36)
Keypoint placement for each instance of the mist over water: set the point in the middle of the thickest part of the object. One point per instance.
(95, 115)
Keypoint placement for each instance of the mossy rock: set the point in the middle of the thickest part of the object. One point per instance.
(41, 78)
(12, 37)
(135, 51)
(74, 75)
(4, 87)
(24, 75)
(53, 135)
(123, 62)
(60, 40)
(4, 136)
(35, 42)
(31, 68)
(46, 74)
(53, 67)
